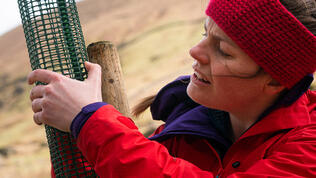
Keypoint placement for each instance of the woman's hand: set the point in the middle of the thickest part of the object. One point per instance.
(57, 103)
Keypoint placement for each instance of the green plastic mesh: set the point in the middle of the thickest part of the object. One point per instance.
(55, 42)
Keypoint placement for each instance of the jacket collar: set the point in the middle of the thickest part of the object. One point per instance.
(286, 117)
(184, 116)
(289, 111)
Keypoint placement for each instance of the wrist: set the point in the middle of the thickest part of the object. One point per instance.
(81, 118)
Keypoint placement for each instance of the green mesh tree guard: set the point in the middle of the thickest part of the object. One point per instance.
(55, 42)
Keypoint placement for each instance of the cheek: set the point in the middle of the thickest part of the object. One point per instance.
(208, 97)
(234, 91)
(226, 93)
(195, 93)
(198, 94)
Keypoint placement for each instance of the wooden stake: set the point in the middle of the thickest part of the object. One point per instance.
(105, 54)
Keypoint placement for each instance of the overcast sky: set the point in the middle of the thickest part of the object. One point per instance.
(9, 15)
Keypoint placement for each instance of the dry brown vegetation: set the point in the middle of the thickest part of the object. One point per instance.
(153, 38)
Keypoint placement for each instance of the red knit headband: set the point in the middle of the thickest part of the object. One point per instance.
(270, 35)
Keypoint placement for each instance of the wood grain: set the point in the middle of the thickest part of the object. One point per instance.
(105, 54)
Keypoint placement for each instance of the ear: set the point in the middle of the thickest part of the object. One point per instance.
(272, 86)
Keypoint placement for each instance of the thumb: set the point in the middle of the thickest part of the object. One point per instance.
(94, 71)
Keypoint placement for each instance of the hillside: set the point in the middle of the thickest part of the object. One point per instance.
(153, 38)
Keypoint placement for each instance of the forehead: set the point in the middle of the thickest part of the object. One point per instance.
(212, 28)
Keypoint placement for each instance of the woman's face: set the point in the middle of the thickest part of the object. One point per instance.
(224, 76)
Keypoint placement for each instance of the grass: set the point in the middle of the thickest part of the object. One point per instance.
(35, 163)
(153, 57)
(142, 63)
(158, 58)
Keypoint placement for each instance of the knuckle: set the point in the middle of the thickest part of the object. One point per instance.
(48, 90)
(44, 116)
(35, 72)
(45, 103)
(37, 119)
(35, 116)
(56, 78)
(31, 95)
(98, 67)
(99, 70)
(33, 106)
(29, 78)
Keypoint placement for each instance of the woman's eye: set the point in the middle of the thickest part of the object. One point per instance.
(221, 52)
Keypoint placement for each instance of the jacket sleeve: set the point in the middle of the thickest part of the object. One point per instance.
(115, 148)
(293, 156)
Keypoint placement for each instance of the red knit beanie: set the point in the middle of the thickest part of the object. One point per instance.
(270, 35)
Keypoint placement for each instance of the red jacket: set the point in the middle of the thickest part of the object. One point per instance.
(283, 144)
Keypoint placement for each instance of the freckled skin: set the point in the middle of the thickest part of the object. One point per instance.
(219, 70)
(234, 86)
(217, 59)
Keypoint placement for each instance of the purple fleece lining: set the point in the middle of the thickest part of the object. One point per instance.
(82, 117)
(296, 91)
(197, 122)
(183, 116)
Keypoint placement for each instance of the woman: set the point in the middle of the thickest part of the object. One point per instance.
(246, 111)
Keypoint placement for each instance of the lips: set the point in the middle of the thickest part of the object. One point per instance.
(201, 78)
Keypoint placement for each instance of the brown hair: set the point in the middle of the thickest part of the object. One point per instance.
(143, 105)
(303, 10)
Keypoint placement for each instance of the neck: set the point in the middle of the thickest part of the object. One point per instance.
(246, 116)
(240, 125)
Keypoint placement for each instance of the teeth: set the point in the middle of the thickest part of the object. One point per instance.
(201, 77)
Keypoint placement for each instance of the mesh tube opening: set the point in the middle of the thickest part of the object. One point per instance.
(55, 42)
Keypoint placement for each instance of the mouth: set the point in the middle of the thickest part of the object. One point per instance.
(201, 78)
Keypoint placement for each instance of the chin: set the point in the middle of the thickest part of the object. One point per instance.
(197, 96)
(191, 92)
(204, 99)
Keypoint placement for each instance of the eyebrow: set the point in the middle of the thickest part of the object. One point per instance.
(227, 40)
(220, 38)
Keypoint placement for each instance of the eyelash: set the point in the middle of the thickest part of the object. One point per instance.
(221, 52)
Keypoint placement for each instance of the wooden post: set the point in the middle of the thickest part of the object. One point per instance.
(105, 54)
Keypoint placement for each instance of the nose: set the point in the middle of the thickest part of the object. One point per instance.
(199, 53)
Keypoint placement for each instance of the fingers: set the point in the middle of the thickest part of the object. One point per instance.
(44, 76)
(88, 65)
(37, 105)
(37, 92)
(37, 109)
(37, 118)
(94, 71)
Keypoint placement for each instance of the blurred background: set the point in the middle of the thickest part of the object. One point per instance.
(153, 38)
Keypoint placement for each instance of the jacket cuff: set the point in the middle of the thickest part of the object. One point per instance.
(83, 116)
